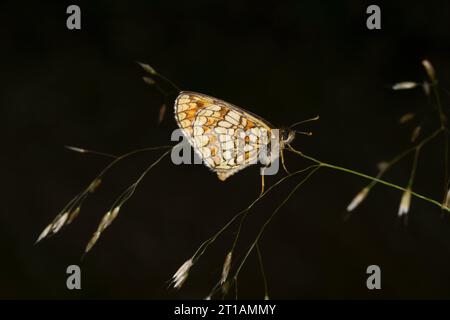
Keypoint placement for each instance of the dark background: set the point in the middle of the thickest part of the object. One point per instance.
(283, 61)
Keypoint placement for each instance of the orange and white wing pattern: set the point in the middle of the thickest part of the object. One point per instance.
(226, 137)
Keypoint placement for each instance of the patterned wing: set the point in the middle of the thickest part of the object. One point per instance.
(226, 137)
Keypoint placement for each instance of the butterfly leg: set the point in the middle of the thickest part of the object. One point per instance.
(262, 181)
(282, 162)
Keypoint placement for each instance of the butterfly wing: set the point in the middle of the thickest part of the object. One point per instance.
(226, 137)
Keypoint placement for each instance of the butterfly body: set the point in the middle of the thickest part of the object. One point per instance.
(226, 137)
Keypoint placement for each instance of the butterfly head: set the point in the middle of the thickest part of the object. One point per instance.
(287, 136)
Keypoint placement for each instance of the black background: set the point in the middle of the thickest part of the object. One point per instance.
(284, 61)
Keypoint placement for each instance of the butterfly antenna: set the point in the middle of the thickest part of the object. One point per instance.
(304, 121)
(306, 133)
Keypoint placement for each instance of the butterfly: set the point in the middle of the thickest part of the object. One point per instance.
(226, 137)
